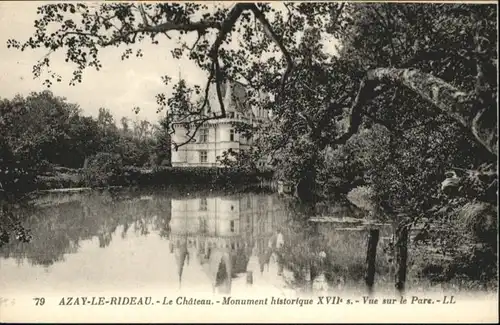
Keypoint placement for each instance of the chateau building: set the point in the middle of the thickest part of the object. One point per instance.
(218, 136)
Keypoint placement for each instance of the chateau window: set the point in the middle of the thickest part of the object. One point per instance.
(232, 226)
(231, 135)
(203, 135)
(203, 205)
(203, 156)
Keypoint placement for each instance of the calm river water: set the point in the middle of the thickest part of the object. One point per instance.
(177, 241)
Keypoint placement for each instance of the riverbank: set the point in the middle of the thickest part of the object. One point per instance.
(73, 179)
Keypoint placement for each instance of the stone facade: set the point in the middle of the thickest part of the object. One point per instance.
(218, 136)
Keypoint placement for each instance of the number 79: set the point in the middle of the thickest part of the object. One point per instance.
(39, 301)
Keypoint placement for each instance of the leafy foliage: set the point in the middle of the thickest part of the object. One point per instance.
(103, 169)
(43, 131)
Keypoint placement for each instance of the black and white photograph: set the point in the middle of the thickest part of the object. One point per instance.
(276, 162)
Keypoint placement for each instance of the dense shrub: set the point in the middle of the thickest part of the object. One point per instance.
(471, 267)
(103, 169)
(106, 169)
(191, 175)
(17, 175)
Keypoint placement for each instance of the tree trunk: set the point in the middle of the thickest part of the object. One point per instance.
(371, 256)
(461, 106)
(401, 257)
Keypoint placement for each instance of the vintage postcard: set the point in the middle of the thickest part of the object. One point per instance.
(277, 162)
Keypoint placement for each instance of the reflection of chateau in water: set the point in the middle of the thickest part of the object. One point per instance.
(222, 233)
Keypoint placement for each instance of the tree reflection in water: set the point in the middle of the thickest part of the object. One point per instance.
(60, 222)
(225, 235)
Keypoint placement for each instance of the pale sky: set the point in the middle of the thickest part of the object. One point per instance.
(119, 86)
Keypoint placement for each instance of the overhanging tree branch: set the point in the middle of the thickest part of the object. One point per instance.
(277, 40)
(446, 97)
(198, 123)
(226, 28)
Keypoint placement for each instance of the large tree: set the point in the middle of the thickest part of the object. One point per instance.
(82, 30)
(394, 66)
(39, 126)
